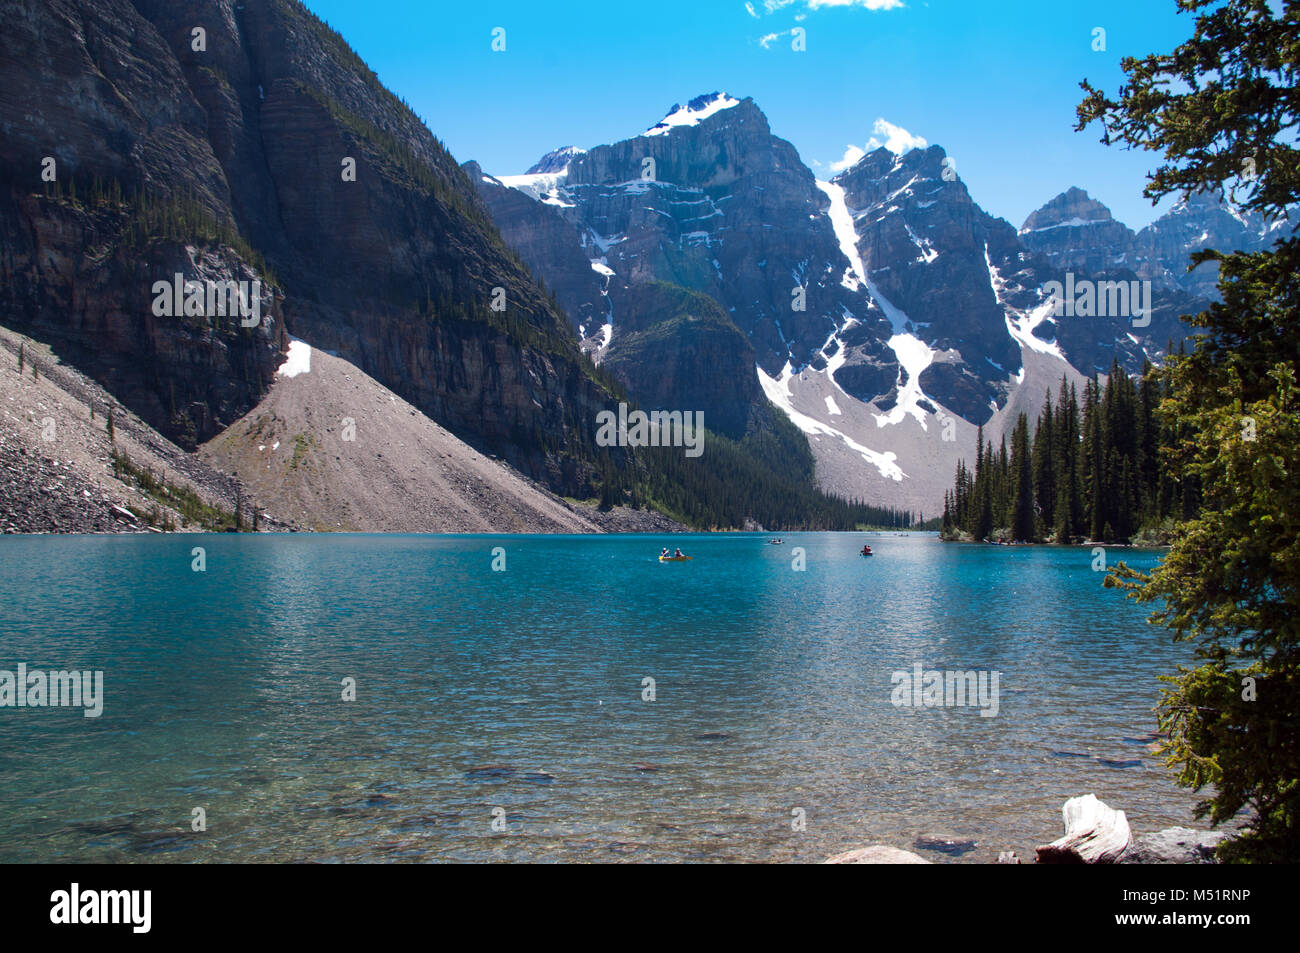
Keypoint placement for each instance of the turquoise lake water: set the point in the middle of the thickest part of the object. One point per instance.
(516, 697)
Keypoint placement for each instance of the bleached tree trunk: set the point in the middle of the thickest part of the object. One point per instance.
(1094, 834)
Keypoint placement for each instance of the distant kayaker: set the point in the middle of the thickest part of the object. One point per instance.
(664, 554)
(678, 554)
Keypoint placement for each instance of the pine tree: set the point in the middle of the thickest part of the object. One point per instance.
(1092, 462)
(1068, 510)
(1045, 467)
(1022, 483)
(1229, 583)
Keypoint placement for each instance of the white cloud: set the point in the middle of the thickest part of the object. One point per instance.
(865, 4)
(851, 155)
(750, 7)
(897, 139)
(771, 6)
(768, 40)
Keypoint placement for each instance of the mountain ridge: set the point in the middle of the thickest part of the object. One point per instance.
(920, 307)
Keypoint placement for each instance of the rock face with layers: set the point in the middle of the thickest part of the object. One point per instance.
(709, 199)
(1074, 230)
(915, 305)
(678, 350)
(266, 150)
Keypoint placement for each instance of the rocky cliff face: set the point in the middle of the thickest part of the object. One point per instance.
(678, 350)
(921, 312)
(719, 205)
(264, 140)
(551, 246)
(926, 247)
(1074, 230)
(96, 112)
(710, 201)
(977, 291)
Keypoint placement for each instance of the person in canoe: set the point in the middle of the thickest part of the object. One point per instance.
(664, 554)
(679, 554)
(866, 550)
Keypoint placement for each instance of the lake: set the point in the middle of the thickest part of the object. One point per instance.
(506, 715)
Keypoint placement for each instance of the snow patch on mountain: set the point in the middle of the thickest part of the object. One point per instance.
(913, 353)
(928, 254)
(556, 160)
(778, 392)
(547, 187)
(698, 109)
(1022, 327)
(1021, 324)
(1071, 223)
(297, 361)
(845, 234)
(915, 356)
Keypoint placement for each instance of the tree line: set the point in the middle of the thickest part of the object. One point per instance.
(1090, 471)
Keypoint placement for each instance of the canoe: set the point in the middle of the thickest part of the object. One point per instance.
(673, 559)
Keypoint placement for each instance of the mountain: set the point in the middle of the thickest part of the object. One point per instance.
(1076, 231)
(888, 315)
(556, 160)
(186, 189)
(265, 150)
(678, 348)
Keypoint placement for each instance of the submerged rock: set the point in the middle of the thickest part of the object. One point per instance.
(877, 854)
(954, 848)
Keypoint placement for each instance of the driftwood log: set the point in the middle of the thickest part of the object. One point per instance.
(1094, 834)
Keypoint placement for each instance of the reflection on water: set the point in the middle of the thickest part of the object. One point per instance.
(517, 697)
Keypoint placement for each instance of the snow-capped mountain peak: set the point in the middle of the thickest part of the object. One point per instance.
(556, 160)
(1071, 209)
(699, 108)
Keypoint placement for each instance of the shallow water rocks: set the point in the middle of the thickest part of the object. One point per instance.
(1174, 845)
(945, 845)
(877, 854)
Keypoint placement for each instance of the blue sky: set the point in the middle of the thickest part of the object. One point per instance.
(994, 83)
